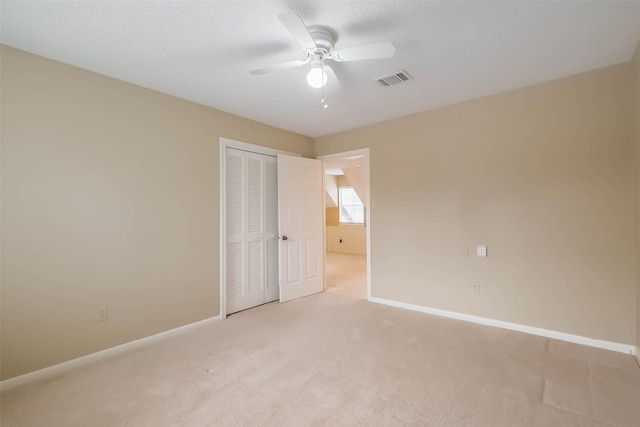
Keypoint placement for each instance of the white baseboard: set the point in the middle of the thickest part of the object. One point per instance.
(607, 345)
(50, 371)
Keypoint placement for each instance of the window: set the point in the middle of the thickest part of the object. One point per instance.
(351, 208)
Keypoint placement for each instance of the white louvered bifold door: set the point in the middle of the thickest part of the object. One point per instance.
(234, 217)
(272, 291)
(252, 230)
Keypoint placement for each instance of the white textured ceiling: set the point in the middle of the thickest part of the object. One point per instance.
(203, 51)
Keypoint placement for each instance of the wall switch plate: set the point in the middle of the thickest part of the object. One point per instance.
(481, 250)
(476, 288)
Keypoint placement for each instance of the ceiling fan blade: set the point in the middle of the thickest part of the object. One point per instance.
(297, 29)
(278, 67)
(331, 74)
(370, 51)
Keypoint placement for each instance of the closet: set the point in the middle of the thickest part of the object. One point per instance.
(251, 217)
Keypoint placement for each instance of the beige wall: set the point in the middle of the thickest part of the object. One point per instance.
(544, 176)
(110, 195)
(333, 216)
(343, 181)
(347, 239)
(330, 191)
(636, 84)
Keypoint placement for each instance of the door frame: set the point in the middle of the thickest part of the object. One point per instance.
(244, 146)
(335, 156)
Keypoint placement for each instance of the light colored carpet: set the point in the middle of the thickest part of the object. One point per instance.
(346, 274)
(331, 359)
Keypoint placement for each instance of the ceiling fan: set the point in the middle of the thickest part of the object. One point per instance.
(318, 42)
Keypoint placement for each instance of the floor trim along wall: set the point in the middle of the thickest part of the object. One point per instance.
(607, 345)
(60, 368)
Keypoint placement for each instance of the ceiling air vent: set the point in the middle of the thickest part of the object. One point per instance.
(394, 79)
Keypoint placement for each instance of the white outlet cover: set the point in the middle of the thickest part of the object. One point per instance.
(481, 250)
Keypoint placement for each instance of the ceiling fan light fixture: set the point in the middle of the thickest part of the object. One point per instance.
(317, 77)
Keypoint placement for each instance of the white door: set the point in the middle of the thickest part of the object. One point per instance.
(251, 229)
(300, 187)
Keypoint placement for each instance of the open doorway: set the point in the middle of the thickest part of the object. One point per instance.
(347, 234)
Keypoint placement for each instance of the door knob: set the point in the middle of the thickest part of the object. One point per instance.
(285, 238)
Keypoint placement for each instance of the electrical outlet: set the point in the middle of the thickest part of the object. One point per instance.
(476, 288)
(464, 250)
(103, 313)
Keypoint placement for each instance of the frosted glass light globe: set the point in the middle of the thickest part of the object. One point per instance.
(317, 77)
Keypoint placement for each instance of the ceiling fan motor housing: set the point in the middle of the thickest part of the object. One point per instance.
(325, 40)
